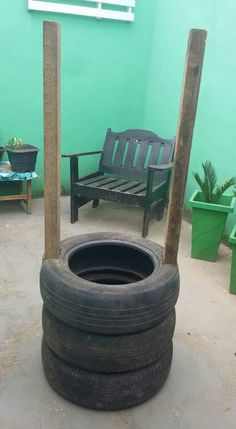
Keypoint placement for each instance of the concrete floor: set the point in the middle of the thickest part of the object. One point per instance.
(201, 389)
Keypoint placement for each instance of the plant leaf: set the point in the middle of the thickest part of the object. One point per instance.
(210, 179)
(220, 189)
(208, 184)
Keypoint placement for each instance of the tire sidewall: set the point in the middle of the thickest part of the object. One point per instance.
(59, 283)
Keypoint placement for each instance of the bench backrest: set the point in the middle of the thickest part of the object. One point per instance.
(129, 153)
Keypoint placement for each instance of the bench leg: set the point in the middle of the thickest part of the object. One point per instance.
(76, 201)
(145, 222)
(95, 204)
(160, 210)
(29, 197)
(74, 208)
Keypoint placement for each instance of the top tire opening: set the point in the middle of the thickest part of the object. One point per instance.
(111, 263)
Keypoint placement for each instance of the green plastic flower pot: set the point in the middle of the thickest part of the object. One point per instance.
(232, 240)
(208, 225)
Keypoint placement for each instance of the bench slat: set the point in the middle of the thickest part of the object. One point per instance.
(115, 184)
(98, 184)
(120, 153)
(125, 187)
(155, 188)
(130, 154)
(108, 152)
(139, 188)
(142, 155)
(154, 154)
(93, 179)
(166, 154)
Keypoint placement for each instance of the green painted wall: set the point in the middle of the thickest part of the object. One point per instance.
(123, 75)
(104, 78)
(215, 129)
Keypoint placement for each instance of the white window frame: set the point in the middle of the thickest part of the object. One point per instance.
(95, 12)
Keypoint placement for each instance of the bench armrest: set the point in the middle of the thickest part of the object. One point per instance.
(151, 170)
(74, 164)
(72, 155)
(161, 167)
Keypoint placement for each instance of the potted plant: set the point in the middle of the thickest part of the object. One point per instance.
(210, 208)
(22, 156)
(232, 240)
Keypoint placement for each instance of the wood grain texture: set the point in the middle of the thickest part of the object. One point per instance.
(187, 114)
(29, 196)
(51, 46)
(13, 197)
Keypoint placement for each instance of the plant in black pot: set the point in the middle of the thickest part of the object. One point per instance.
(22, 156)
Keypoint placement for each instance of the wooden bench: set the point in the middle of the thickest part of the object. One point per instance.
(135, 167)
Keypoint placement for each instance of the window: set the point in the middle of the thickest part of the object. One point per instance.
(122, 10)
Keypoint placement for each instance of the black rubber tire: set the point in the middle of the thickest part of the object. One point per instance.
(107, 353)
(105, 391)
(108, 308)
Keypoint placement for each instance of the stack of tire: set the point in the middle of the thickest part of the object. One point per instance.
(107, 345)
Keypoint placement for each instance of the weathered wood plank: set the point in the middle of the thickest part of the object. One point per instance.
(90, 176)
(155, 153)
(13, 197)
(119, 155)
(51, 46)
(91, 180)
(105, 181)
(188, 108)
(125, 187)
(29, 196)
(104, 194)
(142, 155)
(139, 188)
(130, 155)
(108, 152)
(154, 189)
(115, 184)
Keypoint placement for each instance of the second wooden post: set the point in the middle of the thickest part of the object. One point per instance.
(51, 46)
(187, 114)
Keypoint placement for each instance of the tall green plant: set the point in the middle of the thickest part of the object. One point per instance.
(212, 192)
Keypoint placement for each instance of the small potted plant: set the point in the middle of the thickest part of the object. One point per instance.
(22, 156)
(210, 208)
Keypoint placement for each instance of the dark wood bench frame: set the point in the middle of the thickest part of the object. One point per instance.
(135, 168)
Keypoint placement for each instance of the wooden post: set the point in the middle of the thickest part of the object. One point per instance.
(51, 46)
(187, 114)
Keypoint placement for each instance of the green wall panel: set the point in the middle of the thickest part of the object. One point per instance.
(104, 78)
(215, 128)
(123, 75)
